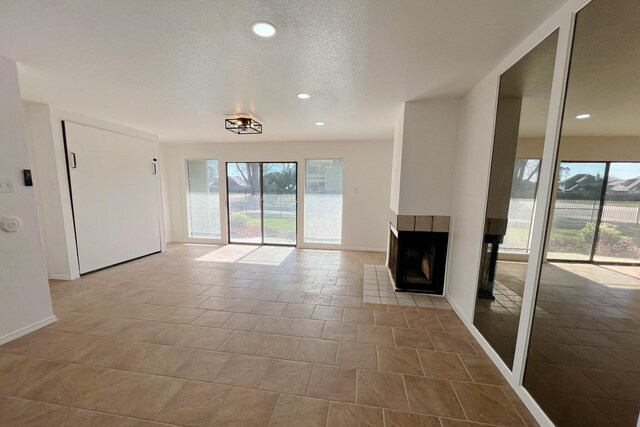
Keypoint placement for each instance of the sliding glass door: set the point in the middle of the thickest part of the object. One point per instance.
(597, 213)
(619, 226)
(279, 203)
(262, 201)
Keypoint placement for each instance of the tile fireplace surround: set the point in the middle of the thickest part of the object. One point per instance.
(417, 252)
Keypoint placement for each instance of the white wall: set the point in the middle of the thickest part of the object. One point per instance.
(586, 148)
(396, 169)
(25, 302)
(473, 155)
(46, 142)
(428, 155)
(367, 177)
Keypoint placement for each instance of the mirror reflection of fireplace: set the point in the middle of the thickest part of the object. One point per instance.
(417, 260)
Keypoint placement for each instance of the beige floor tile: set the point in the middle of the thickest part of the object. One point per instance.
(401, 360)
(385, 318)
(19, 374)
(141, 317)
(486, 404)
(415, 338)
(274, 325)
(195, 404)
(244, 371)
(208, 338)
(449, 341)
(286, 376)
(375, 334)
(243, 342)
(340, 331)
(358, 315)
(328, 313)
(432, 397)
(291, 410)
(443, 365)
(346, 414)
(212, 318)
(317, 351)
(482, 370)
(216, 303)
(242, 306)
(269, 308)
(244, 407)
(357, 355)
(383, 390)
(44, 344)
(279, 347)
(402, 419)
(107, 390)
(182, 315)
(17, 412)
(202, 365)
(423, 321)
(242, 322)
(306, 328)
(302, 311)
(164, 361)
(332, 383)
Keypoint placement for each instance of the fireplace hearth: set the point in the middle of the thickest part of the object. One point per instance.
(416, 259)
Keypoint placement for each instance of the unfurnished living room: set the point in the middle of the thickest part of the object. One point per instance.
(320, 213)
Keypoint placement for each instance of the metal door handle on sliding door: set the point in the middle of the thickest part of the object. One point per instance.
(154, 168)
(72, 160)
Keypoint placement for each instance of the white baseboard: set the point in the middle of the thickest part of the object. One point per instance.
(522, 392)
(27, 329)
(59, 277)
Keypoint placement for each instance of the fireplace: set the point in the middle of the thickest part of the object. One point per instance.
(417, 254)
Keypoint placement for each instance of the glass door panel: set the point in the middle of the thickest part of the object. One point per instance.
(619, 231)
(244, 195)
(279, 183)
(575, 213)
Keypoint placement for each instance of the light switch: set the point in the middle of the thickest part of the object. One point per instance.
(6, 185)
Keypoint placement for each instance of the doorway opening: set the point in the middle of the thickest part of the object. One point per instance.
(262, 200)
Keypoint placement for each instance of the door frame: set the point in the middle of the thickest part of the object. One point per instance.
(262, 243)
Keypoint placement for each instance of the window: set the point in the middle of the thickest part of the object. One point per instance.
(323, 201)
(521, 203)
(203, 199)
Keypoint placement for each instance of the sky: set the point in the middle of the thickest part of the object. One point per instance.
(618, 170)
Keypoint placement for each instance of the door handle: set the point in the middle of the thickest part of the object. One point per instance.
(154, 168)
(72, 160)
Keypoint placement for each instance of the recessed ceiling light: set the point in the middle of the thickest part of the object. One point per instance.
(583, 116)
(303, 95)
(320, 123)
(263, 29)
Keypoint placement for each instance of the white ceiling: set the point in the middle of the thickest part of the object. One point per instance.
(176, 68)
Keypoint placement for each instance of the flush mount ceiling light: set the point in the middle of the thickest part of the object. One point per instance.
(583, 116)
(303, 95)
(263, 29)
(242, 125)
(320, 123)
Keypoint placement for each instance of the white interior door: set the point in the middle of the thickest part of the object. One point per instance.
(114, 195)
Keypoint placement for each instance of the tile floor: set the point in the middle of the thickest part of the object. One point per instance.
(378, 289)
(584, 358)
(207, 335)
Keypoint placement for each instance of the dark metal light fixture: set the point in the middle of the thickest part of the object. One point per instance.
(242, 125)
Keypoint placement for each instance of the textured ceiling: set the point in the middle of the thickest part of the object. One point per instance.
(176, 68)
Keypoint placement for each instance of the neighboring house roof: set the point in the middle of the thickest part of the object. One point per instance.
(237, 181)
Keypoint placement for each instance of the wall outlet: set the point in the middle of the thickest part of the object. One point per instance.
(6, 185)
